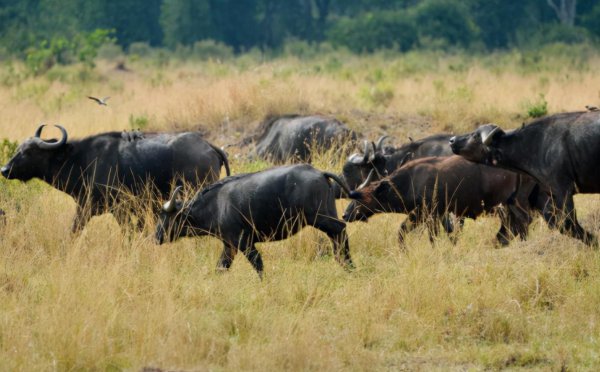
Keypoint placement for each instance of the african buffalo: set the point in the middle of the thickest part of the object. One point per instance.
(385, 159)
(560, 152)
(94, 169)
(294, 137)
(250, 208)
(427, 189)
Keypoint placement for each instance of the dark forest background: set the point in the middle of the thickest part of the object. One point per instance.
(359, 25)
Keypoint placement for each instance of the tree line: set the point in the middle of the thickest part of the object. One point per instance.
(360, 25)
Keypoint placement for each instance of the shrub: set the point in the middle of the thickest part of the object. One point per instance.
(140, 49)
(110, 51)
(7, 150)
(138, 122)
(60, 50)
(537, 109)
(300, 49)
(379, 95)
(553, 33)
(210, 49)
(11, 76)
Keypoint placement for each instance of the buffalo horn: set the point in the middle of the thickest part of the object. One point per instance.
(355, 159)
(374, 151)
(50, 145)
(379, 145)
(368, 180)
(38, 131)
(170, 205)
(367, 153)
(487, 139)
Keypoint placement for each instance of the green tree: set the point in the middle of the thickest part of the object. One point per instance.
(450, 22)
(498, 21)
(133, 20)
(236, 22)
(185, 21)
(591, 20)
(372, 31)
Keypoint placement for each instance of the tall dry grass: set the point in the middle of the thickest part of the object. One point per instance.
(110, 299)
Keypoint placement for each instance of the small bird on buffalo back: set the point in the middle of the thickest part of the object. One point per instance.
(100, 101)
(132, 136)
(591, 108)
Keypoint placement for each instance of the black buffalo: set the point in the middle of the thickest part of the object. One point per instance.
(94, 170)
(560, 152)
(265, 206)
(427, 189)
(386, 159)
(294, 137)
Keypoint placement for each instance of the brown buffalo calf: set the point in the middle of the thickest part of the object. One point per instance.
(429, 188)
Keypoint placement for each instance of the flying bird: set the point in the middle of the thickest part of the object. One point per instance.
(100, 101)
(591, 108)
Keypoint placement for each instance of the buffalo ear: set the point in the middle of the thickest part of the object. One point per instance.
(487, 138)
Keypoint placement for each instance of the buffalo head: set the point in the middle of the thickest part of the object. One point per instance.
(368, 199)
(172, 220)
(358, 166)
(478, 146)
(34, 156)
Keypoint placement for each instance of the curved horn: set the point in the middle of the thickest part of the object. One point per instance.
(372, 155)
(368, 180)
(49, 145)
(487, 139)
(355, 159)
(170, 205)
(379, 145)
(38, 132)
(366, 151)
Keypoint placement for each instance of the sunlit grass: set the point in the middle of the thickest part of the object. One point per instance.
(109, 298)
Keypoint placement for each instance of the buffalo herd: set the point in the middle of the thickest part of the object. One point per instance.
(436, 181)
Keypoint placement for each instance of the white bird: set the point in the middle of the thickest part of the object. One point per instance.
(100, 101)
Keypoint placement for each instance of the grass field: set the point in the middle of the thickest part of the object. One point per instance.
(110, 299)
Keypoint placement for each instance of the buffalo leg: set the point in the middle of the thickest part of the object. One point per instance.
(519, 220)
(227, 256)
(336, 231)
(503, 236)
(246, 245)
(433, 228)
(450, 228)
(407, 226)
(81, 219)
(255, 258)
(448, 224)
(570, 226)
(542, 202)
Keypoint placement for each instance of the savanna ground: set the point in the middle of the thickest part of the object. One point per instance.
(110, 299)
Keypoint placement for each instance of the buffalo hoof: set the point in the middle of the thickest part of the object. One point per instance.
(502, 240)
(221, 270)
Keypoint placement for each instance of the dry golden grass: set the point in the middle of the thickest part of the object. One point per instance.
(109, 298)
